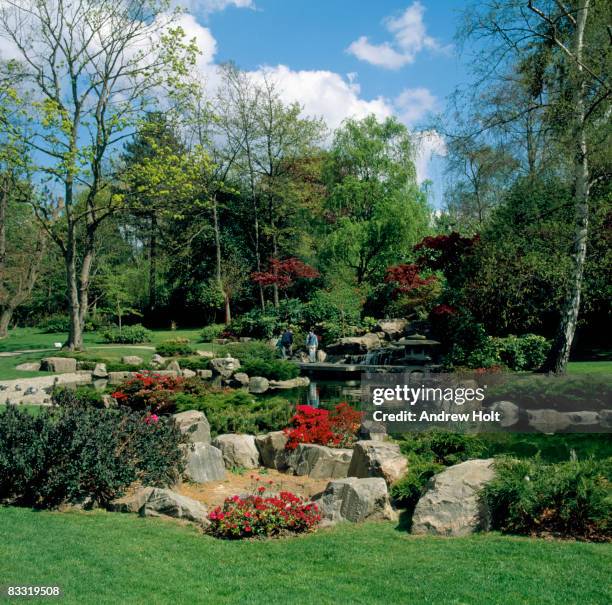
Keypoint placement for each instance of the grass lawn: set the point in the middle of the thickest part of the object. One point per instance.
(589, 367)
(112, 558)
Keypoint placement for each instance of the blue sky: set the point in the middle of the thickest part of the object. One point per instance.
(345, 57)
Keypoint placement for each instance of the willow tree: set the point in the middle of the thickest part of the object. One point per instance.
(90, 67)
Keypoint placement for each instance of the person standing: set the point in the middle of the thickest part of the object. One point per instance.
(312, 342)
(287, 343)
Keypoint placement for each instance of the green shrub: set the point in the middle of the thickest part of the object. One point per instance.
(255, 324)
(407, 490)
(54, 323)
(237, 411)
(194, 363)
(82, 454)
(276, 369)
(128, 335)
(79, 397)
(569, 499)
(248, 351)
(209, 333)
(443, 447)
(174, 348)
(522, 353)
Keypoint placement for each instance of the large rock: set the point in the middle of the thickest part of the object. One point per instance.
(164, 502)
(239, 380)
(378, 459)
(355, 500)
(510, 412)
(258, 384)
(204, 463)
(451, 505)
(131, 503)
(99, 371)
(239, 451)
(157, 361)
(292, 383)
(370, 430)
(207, 354)
(119, 377)
(224, 366)
(174, 366)
(548, 421)
(59, 365)
(272, 450)
(354, 345)
(132, 360)
(319, 461)
(187, 373)
(204, 374)
(392, 328)
(195, 424)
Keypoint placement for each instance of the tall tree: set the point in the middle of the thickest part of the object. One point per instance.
(90, 66)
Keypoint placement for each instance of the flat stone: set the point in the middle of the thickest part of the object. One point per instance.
(451, 505)
(165, 502)
(119, 377)
(195, 424)
(292, 383)
(239, 451)
(258, 384)
(204, 463)
(100, 371)
(28, 367)
(207, 354)
(131, 503)
(319, 461)
(378, 459)
(204, 374)
(187, 373)
(132, 360)
(239, 380)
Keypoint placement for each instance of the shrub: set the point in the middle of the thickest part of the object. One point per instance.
(337, 428)
(211, 332)
(150, 392)
(174, 348)
(81, 454)
(443, 447)
(255, 324)
(128, 335)
(248, 351)
(263, 515)
(54, 323)
(276, 369)
(569, 499)
(230, 411)
(522, 352)
(407, 490)
(194, 363)
(79, 397)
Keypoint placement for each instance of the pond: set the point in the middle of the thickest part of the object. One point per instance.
(322, 393)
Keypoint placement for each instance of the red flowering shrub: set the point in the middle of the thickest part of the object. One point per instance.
(149, 391)
(337, 428)
(261, 515)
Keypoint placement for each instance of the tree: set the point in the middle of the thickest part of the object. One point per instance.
(375, 211)
(90, 67)
(556, 55)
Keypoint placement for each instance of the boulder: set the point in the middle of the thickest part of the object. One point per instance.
(584, 418)
(187, 373)
(272, 451)
(157, 361)
(321, 356)
(119, 377)
(224, 366)
(195, 424)
(131, 503)
(392, 328)
(165, 502)
(354, 345)
(204, 463)
(258, 384)
(356, 500)
(292, 383)
(59, 365)
(319, 461)
(548, 421)
(239, 451)
(204, 374)
(207, 354)
(451, 505)
(370, 430)
(132, 360)
(173, 366)
(99, 371)
(239, 380)
(509, 412)
(378, 459)
(28, 367)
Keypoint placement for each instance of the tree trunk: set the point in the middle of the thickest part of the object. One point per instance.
(275, 254)
(228, 311)
(5, 320)
(75, 333)
(560, 351)
(153, 264)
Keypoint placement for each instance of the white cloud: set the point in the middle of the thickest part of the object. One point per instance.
(409, 38)
(205, 7)
(412, 104)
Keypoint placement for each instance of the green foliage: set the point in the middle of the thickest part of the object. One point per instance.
(526, 352)
(211, 332)
(54, 323)
(569, 499)
(230, 411)
(194, 363)
(443, 447)
(80, 397)
(248, 352)
(407, 490)
(174, 348)
(82, 454)
(135, 334)
(255, 324)
(276, 369)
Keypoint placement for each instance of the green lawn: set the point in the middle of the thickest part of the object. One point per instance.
(589, 367)
(112, 558)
